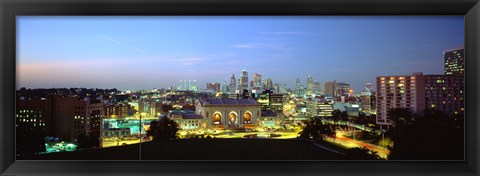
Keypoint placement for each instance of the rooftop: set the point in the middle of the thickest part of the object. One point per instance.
(227, 101)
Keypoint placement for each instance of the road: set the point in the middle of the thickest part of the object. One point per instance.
(351, 143)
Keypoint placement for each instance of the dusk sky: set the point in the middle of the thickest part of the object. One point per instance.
(130, 53)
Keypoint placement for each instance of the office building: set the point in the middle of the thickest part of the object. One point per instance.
(454, 62)
(244, 80)
(406, 91)
(445, 93)
(330, 89)
(213, 86)
(233, 84)
(319, 106)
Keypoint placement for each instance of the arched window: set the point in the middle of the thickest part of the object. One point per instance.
(232, 118)
(217, 118)
(247, 117)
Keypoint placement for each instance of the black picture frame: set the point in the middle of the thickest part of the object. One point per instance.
(11, 8)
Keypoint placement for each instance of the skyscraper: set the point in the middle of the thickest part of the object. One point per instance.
(298, 87)
(268, 84)
(244, 80)
(225, 88)
(454, 62)
(343, 89)
(233, 84)
(213, 86)
(367, 98)
(310, 85)
(330, 89)
(257, 80)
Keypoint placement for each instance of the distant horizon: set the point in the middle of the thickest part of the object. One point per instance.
(142, 53)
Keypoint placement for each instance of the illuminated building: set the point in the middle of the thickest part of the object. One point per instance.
(317, 88)
(319, 106)
(343, 89)
(117, 132)
(32, 113)
(213, 86)
(367, 99)
(454, 62)
(193, 86)
(233, 84)
(271, 101)
(330, 89)
(309, 86)
(187, 120)
(31, 121)
(445, 93)
(351, 109)
(279, 88)
(229, 113)
(225, 88)
(299, 89)
(399, 92)
(117, 110)
(244, 80)
(267, 84)
(257, 81)
(62, 116)
(147, 106)
(95, 116)
(270, 119)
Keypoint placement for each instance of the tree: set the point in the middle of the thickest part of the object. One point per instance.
(315, 129)
(344, 116)
(164, 129)
(336, 114)
(434, 136)
(362, 154)
(401, 116)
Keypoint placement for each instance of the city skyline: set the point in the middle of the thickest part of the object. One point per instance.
(131, 53)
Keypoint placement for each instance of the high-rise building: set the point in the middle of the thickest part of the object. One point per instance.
(213, 86)
(257, 83)
(454, 62)
(62, 116)
(367, 99)
(406, 91)
(268, 84)
(445, 93)
(193, 86)
(233, 84)
(310, 85)
(244, 80)
(317, 88)
(120, 110)
(330, 89)
(299, 90)
(225, 88)
(343, 89)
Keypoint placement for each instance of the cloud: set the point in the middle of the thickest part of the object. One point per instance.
(245, 46)
(282, 33)
(122, 44)
(273, 46)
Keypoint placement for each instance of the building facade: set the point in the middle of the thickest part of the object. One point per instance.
(330, 89)
(406, 91)
(319, 107)
(454, 62)
(229, 113)
(445, 93)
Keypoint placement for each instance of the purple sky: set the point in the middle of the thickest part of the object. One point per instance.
(132, 53)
